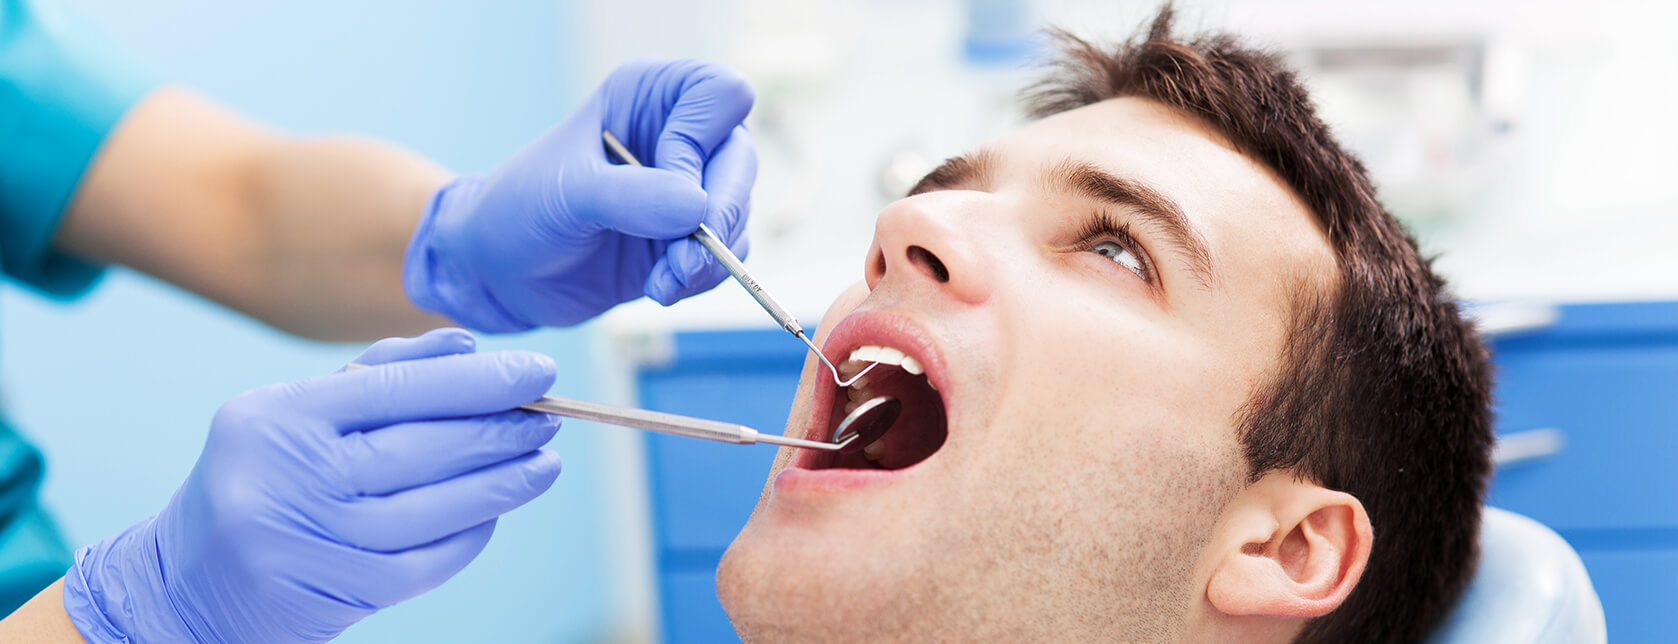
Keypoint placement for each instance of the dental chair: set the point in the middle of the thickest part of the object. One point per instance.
(1531, 588)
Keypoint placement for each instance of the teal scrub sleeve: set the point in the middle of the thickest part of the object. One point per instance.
(60, 93)
(32, 553)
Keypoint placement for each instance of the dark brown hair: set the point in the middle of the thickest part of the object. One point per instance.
(1383, 390)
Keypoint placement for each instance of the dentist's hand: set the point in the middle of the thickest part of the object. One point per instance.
(315, 504)
(562, 231)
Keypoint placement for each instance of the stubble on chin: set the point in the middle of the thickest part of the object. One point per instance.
(1102, 566)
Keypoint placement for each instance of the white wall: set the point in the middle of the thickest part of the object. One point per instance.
(1578, 204)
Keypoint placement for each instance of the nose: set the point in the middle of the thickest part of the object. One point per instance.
(930, 240)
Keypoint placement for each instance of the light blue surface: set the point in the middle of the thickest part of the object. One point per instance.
(118, 389)
(1530, 588)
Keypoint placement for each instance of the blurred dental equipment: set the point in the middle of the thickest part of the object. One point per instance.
(865, 419)
(720, 250)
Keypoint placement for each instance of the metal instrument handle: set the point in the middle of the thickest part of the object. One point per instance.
(709, 240)
(645, 419)
(661, 422)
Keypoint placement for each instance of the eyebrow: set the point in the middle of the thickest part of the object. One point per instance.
(970, 171)
(973, 172)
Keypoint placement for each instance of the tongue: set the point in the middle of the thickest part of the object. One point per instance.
(918, 432)
(920, 428)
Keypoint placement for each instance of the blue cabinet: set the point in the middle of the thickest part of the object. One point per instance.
(703, 492)
(1604, 377)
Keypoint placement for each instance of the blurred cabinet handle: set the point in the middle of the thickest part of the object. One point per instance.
(645, 349)
(1510, 318)
(1527, 446)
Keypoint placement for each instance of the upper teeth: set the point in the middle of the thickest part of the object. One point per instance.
(887, 355)
(858, 392)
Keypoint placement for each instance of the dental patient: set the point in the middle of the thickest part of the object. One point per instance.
(1169, 373)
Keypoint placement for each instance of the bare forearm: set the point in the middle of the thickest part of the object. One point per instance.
(306, 235)
(336, 215)
(41, 619)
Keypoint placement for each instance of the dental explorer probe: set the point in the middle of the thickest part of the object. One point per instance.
(709, 240)
(686, 425)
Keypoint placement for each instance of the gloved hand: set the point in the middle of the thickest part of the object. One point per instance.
(561, 231)
(315, 504)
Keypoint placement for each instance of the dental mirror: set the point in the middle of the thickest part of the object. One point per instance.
(867, 423)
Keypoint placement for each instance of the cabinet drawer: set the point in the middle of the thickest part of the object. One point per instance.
(1604, 377)
(703, 492)
(1616, 407)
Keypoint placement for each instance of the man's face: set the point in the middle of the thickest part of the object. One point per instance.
(1093, 299)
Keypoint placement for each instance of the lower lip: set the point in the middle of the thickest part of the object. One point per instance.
(797, 480)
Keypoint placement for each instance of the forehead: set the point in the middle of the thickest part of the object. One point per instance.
(1168, 149)
(1224, 193)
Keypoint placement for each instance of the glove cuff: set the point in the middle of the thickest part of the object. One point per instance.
(114, 592)
(432, 275)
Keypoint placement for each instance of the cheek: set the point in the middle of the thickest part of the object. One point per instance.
(1120, 364)
(1102, 515)
(1102, 409)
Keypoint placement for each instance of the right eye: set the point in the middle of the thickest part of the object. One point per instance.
(1110, 238)
(1120, 255)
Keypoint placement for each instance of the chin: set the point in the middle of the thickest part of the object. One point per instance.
(781, 586)
(768, 600)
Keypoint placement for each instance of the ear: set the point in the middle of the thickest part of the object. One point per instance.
(1288, 548)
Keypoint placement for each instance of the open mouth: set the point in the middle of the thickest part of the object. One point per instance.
(920, 429)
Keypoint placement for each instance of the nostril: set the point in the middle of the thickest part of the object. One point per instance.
(924, 258)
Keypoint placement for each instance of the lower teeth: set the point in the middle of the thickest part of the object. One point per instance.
(874, 450)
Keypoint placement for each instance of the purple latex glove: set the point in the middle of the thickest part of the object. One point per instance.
(317, 503)
(562, 231)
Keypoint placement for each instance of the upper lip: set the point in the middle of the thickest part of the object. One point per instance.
(879, 327)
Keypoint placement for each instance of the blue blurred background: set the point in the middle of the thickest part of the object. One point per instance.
(1528, 143)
